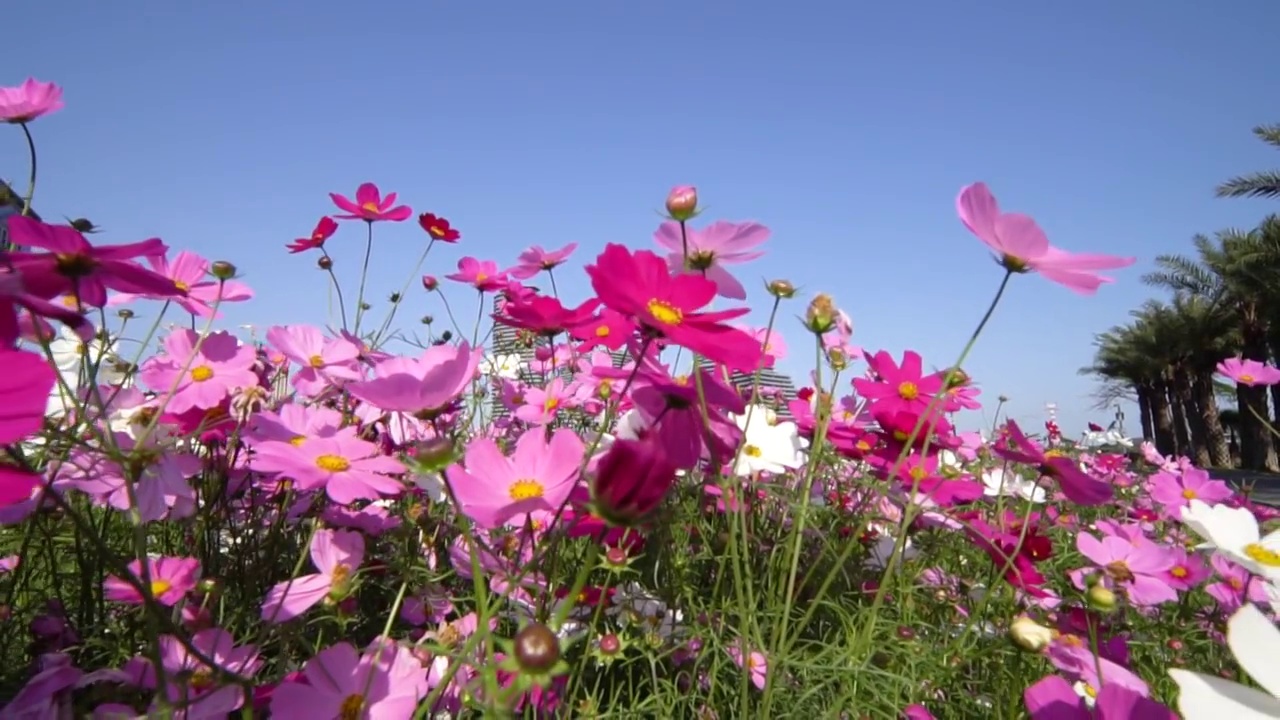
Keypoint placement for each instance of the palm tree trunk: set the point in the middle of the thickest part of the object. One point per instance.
(1198, 449)
(1257, 452)
(1178, 411)
(1207, 405)
(1162, 421)
(1144, 411)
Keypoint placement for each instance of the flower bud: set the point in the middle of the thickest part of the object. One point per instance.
(956, 378)
(781, 289)
(631, 481)
(610, 644)
(430, 283)
(325, 262)
(821, 316)
(428, 319)
(682, 202)
(222, 270)
(433, 455)
(83, 225)
(124, 313)
(1101, 598)
(1030, 635)
(537, 649)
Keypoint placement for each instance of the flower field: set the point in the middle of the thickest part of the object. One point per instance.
(354, 521)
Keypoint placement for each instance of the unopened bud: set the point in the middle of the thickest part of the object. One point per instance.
(1101, 598)
(394, 297)
(427, 319)
(222, 270)
(124, 313)
(325, 262)
(430, 283)
(610, 644)
(821, 316)
(782, 289)
(537, 649)
(682, 202)
(446, 336)
(838, 359)
(1029, 634)
(956, 378)
(83, 225)
(433, 455)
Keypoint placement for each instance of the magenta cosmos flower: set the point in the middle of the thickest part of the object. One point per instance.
(1074, 483)
(1249, 372)
(28, 101)
(386, 682)
(74, 267)
(220, 367)
(347, 467)
(539, 475)
(710, 249)
(371, 206)
(191, 682)
(641, 286)
(483, 275)
(14, 295)
(1023, 247)
(420, 385)
(337, 554)
(535, 260)
(190, 274)
(25, 385)
(171, 579)
(1053, 698)
(899, 388)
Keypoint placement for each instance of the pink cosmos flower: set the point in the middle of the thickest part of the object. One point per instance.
(1136, 566)
(219, 369)
(1249, 372)
(192, 683)
(1235, 585)
(754, 662)
(542, 405)
(25, 385)
(337, 554)
(1187, 571)
(14, 295)
(28, 101)
(347, 467)
(710, 249)
(161, 485)
(171, 579)
(47, 693)
(1022, 246)
(535, 260)
(610, 328)
(73, 266)
(416, 385)
(483, 275)
(190, 274)
(388, 681)
(324, 361)
(1053, 698)
(1175, 492)
(1074, 483)
(772, 345)
(294, 423)
(640, 285)
(893, 388)
(371, 206)
(492, 488)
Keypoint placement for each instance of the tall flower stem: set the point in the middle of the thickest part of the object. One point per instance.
(364, 276)
(31, 178)
(399, 298)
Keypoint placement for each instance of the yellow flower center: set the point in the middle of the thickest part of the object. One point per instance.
(315, 361)
(71, 301)
(752, 450)
(918, 473)
(908, 391)
(181, 285)
(550, 404)
(160, 587)
(1178, 571)
(481, 277)
(351, 707)
(1189, 494)
(333, 463)
(1053, 453)
(436, 231)
(665, 312)
(602, 331)
(370, 207)
(201, 679)
(200, 373)
(900, 436)
(1262, 555)
(1090, 691)
(297, 440)
(525, 490)
(1246, 378)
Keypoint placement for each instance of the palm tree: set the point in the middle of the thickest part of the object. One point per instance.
(1260, 184)
(1124, 356)
(1233, 273)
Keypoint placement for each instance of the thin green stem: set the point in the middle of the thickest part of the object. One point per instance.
(364, 275)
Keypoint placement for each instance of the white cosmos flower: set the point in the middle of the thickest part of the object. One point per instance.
(506, 366)
(1234, 532)
(1255, 642)
(767, 445)
(998, 481)
(880, 552)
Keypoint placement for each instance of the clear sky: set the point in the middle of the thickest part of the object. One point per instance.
(846, 127)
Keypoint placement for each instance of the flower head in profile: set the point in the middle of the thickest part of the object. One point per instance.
(483, 275)
(371, 206)
(324, 230)
(337, 554)
(707, 251)
(28, 101)
(171, 579)
(1249, 372)
(1255, 643)
(438, 228)
(493, 488)
(536, 260)
(1021, 246)
(1077, 485)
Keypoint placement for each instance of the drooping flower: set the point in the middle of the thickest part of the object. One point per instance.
(325, 229)
(215, 370)
(640, 285)
(1249, 372)
(492, 488)
(28, 101)
(438, 228)
(705, 252)
(1021, 246)
(171, 579)
(73, 266)
(371, 206)
(1074, 483)
(337, 554)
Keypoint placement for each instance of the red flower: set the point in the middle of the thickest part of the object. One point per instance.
(631, 481)
(324, 230)
(438, 228)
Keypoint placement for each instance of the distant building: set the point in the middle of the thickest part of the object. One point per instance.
(772, 384)
(10, 204)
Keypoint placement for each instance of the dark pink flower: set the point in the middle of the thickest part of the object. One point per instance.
(371, 206)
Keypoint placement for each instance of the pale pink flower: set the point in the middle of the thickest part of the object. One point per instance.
(323, 360)
(171, 579)
(221, 367)
(337, 554)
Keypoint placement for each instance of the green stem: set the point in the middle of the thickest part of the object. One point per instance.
(31, 181)
(364, 275)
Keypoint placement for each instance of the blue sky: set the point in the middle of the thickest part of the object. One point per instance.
(846, 127)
